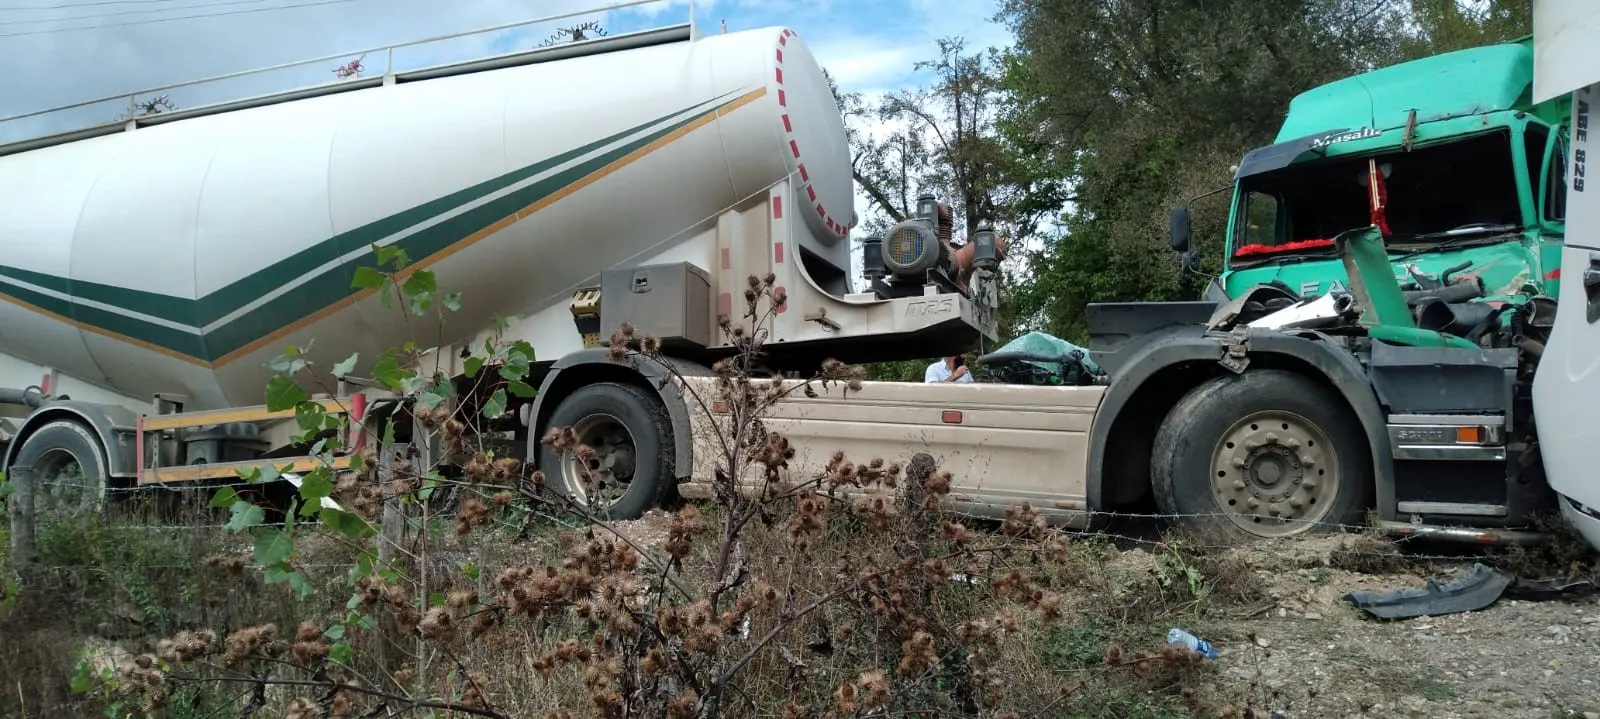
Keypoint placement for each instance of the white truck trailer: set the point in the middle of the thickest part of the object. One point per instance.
(150, 268)
(1566, 391)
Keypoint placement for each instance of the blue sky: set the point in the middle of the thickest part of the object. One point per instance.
(868, 45)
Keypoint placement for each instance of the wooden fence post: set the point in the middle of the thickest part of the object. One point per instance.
(23, 547)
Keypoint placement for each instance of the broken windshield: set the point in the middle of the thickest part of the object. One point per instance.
(1430, 191)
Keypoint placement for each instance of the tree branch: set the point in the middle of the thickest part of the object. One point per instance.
(877, 195)
(426, 704)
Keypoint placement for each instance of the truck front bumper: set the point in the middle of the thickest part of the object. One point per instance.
(1585, 519)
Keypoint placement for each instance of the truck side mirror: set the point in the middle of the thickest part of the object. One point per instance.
(1178, 228)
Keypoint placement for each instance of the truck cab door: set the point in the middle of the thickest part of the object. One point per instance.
(1551, 194)
(1566, 387)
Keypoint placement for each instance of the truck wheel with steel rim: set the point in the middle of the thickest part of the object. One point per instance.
(1270, 452)
(630, 469)
(69, 467)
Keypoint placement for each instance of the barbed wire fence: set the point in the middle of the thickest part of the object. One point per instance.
(1143, 530)
(178, 553)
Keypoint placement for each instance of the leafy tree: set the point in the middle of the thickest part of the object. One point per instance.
(1439, 26)
(945, 142)
(1147, 103)
(944, 139)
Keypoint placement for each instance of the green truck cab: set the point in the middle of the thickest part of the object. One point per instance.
(1389, 281)
(1474, 173)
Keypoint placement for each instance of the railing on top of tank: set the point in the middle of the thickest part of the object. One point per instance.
(349, 77)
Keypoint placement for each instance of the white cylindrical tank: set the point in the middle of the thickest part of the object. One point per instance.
(181, 257)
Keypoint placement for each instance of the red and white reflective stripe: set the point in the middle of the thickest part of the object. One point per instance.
(838, 227)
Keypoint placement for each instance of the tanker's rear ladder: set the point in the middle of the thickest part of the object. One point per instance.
(682, 32)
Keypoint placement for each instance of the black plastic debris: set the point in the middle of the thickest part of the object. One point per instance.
(1476, 590)
(1538, 590)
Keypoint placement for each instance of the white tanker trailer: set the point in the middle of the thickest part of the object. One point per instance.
(181, 256)
(151, 268)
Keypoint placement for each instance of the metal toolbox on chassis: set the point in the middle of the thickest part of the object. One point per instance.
(670, 301)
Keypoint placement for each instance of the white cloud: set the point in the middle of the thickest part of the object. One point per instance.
(858, 63)
(972, 19)
(882, 47)
(710, 11)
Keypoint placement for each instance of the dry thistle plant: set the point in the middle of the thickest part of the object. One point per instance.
(915, 605)
(848, 590)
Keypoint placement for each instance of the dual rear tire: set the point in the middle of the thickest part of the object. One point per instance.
(631, 469)
(1269, 453)
(68, 467)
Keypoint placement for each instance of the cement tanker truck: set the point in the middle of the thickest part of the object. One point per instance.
(151, 268)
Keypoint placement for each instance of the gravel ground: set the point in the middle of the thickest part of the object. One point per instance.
(1515, 659)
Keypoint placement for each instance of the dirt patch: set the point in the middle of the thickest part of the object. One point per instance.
(648, 532)
(1515, 659)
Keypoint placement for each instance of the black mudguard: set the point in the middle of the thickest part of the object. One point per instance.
(577, 368)
(112, 424)
(1142, 358)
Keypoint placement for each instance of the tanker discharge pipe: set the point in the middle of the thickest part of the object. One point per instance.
(30, 397)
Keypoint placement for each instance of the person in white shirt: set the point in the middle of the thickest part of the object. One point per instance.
(948, 369)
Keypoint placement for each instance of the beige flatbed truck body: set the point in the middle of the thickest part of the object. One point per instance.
(1004, 445)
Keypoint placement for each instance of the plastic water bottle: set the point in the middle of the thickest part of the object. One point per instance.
(1178, 636)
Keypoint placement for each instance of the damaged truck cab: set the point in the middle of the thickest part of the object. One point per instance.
(1388, 283)
(1471, 172)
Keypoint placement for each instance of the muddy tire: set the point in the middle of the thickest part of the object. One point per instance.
(69, 467)
(1269, 453)
(632, 470)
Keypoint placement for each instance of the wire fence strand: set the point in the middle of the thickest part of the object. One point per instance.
(1160, 532)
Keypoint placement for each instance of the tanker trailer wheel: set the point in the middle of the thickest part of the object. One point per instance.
(631, 468)
(69, 467)
(1271, 451)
